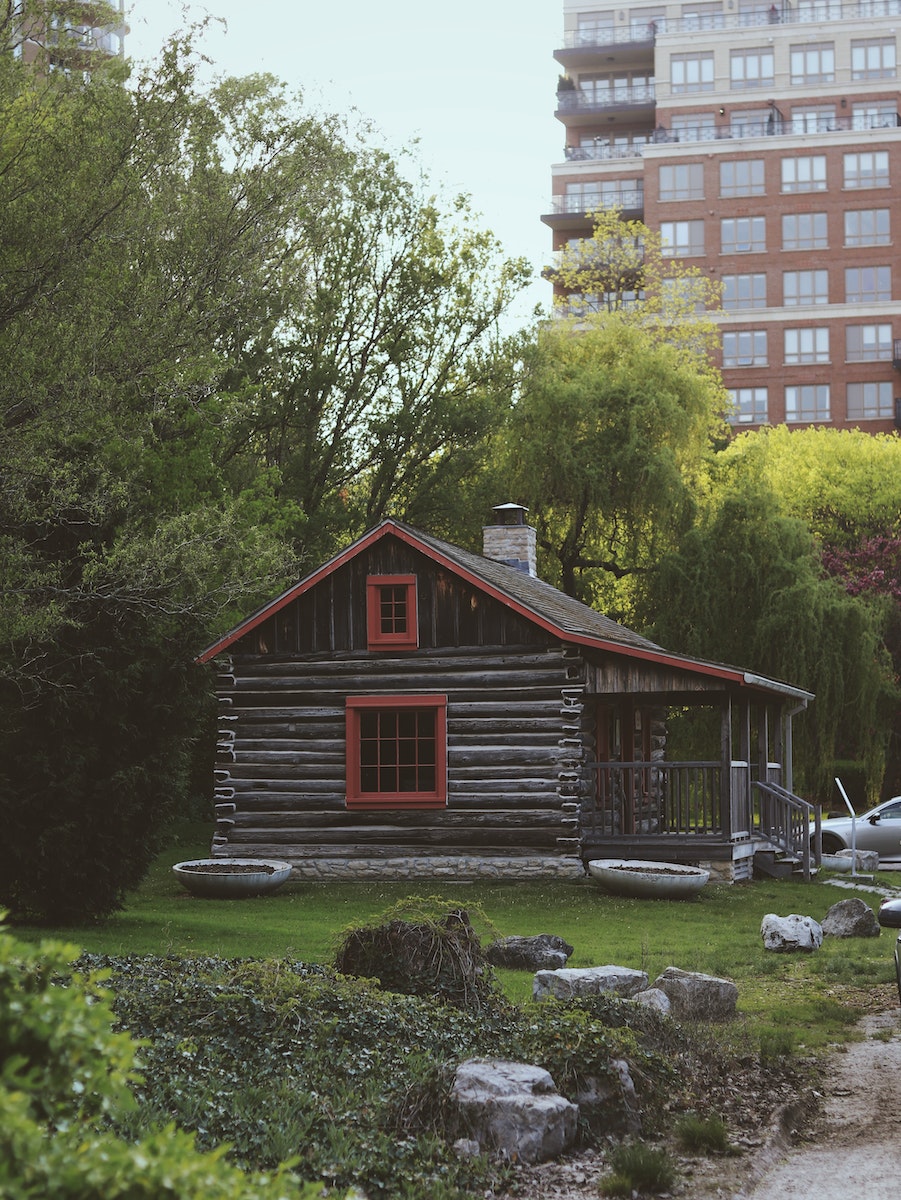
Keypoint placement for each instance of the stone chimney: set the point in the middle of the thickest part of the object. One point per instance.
(510, 540)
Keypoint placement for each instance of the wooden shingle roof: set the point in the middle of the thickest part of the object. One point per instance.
(559, 614)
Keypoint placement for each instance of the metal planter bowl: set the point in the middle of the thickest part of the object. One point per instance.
(648, 880)
(231, 878)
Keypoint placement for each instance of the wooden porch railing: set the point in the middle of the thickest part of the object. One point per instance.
(785, 820)
(658, 797)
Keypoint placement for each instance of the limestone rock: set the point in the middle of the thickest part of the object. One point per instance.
(697, 997)
(791, 933)
(851, 918)
(545, 951)
(512, 1108)
(568, 982)
(656, 998)
(865, 861)
(613, 1097)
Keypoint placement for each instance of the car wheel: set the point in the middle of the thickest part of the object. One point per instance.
(832, 844)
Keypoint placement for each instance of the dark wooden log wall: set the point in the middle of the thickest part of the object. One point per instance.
(514, 755)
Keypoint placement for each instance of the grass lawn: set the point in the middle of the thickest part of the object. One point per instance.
(815, 996)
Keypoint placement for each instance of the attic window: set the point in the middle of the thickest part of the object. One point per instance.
(391, 618)
(396, 752)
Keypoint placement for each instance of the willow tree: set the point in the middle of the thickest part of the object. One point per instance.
(746, 585)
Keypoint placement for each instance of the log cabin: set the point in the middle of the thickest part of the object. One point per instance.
(413, 710)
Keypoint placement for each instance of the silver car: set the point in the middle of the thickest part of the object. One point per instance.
(879, 830)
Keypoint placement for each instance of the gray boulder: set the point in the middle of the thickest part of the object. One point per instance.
(569, 982)
(612, 1099)
(865, 861)
(545, 951)
(851, 918)
(790, 934)
(513, 1109)
(697, 997)
(656, 999)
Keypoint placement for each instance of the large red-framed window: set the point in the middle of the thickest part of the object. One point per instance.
(396, 751)
(391, 619)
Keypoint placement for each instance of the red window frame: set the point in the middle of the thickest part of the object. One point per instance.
(396, 751)
(391, 613)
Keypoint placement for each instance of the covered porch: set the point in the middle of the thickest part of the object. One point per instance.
(699, 774)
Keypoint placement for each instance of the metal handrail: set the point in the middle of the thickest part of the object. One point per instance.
(784, 820)
(798, 127)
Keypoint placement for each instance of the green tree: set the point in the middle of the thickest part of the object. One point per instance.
(605, 445)
(746, 586)
(222, 270)
(626, 267)
(387, 364)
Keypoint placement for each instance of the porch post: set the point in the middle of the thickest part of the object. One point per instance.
(726, 766)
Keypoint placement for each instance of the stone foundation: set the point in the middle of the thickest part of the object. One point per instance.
(457, 869)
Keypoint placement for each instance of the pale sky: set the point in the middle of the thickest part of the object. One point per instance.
(473, 80)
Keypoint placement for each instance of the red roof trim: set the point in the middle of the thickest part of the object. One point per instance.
(389, 526)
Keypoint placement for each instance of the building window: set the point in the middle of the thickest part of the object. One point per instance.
(692, 72)
(805, 287)
(703, 16)
(682, 238)
(879, 114)
(751, 122)
(752, 68)
(804, 231)
(806, 345)
(644, 23)
(396, 751)
(745, 348)
(820, 10)
(867, 169)
(805, 174)
(696, 127)
(813, 63)
(684, 181)
(813, 118)
(873, 58)
(867, 227)
(391, 620)
(865, 285)
(743, 235)
(742, 177)
(870, 400)
(593, 194)
(744, 291)
(868, 343)
(688, 295)
(810, 402)
(749, 406)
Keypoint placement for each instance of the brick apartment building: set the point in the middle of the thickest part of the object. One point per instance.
(67, 40)
(763, 141)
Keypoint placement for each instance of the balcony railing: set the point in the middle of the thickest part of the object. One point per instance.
(598, 36)
(590, 201)
(625, 95)
(602, 152)
(658, 798)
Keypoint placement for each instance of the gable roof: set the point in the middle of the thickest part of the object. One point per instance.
(533, 598)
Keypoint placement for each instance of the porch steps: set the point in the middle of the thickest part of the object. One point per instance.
(770, 863)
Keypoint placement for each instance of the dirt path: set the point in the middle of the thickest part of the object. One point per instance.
(855, 1146)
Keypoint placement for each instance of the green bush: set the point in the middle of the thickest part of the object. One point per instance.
(638, 1168)
(64, 1074)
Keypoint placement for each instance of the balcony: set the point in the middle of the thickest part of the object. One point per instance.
(571, 212)
(582, 46)
(593, 37)
(603, 151)
(576, 107)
